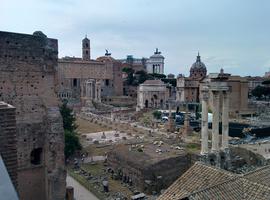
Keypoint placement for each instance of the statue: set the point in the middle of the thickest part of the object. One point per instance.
(157, 52)
(107, 53)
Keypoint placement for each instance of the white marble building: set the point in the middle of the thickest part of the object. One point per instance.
(155, 64)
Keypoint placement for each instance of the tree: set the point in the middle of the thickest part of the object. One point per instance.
(129, 71)
(157, 114)
(158, 76)
(266, 82)
(72, 142)
(142, 76)
(261, 91)
(68, 118)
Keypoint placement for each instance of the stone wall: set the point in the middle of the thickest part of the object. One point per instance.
(28, 65)
(8, 140)
(145, 175)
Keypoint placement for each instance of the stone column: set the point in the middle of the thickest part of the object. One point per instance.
(215, 122)
(91, 90)
(98, 85)
(204, 126)
(225, 120)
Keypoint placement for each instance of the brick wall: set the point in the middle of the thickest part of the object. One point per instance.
(8, 141)
(28, 80)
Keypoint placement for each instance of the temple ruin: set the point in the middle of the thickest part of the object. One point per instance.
(219, 89)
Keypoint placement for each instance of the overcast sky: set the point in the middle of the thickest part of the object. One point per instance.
(233, 34)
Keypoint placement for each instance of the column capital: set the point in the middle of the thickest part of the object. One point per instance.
(216, 94)
(205, 95)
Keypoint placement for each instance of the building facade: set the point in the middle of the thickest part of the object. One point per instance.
(238, 95)
(28, 77)
(188, 87)
(152, 94)
(155, 64)
(82, 79)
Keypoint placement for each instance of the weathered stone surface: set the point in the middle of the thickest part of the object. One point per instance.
(28, 66)
(8, 140)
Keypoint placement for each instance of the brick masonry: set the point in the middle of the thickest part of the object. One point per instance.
(28, 80)
(8, 141)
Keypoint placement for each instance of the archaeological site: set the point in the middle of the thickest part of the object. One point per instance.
(134, 100)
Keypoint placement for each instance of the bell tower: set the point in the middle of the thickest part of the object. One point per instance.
(86, 48)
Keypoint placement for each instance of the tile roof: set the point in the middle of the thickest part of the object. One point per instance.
(238, 188)
(153, 82)
(199, 176)
(260, 175)
(207, 182)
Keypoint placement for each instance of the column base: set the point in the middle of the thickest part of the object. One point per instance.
(226, 159)
(214, 158)
(204, 158)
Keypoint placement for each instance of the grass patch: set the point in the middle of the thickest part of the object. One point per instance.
(85, 126)
(192, 147)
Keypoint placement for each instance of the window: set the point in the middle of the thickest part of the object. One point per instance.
(107, 82)
(86, 52)
(86, 45)
(36, 156)
(75, 82)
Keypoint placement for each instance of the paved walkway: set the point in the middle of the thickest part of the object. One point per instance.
(80, 192)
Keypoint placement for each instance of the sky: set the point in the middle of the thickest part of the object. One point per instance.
(229, 34)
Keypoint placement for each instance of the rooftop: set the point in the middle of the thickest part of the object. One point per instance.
(202, 181)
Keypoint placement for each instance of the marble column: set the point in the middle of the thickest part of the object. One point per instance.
(204, 126)
(215, 122)
(225, 120)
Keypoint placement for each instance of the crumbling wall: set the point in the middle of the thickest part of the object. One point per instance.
(28, 80)
(165, 172)
(145, 175)
(8, 140)
(248, 157)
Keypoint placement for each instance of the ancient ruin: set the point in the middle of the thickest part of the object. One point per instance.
(220, 91)
(8, 140)
(152, 94)
(28, 65)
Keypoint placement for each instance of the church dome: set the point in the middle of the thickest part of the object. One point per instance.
(198, 69)
(198, 64)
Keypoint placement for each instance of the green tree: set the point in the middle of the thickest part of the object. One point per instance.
(142, 76)
(72, 142)
(261, 91)
(130, 77)
(157, 114)
(158, 76)
(68, 118)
